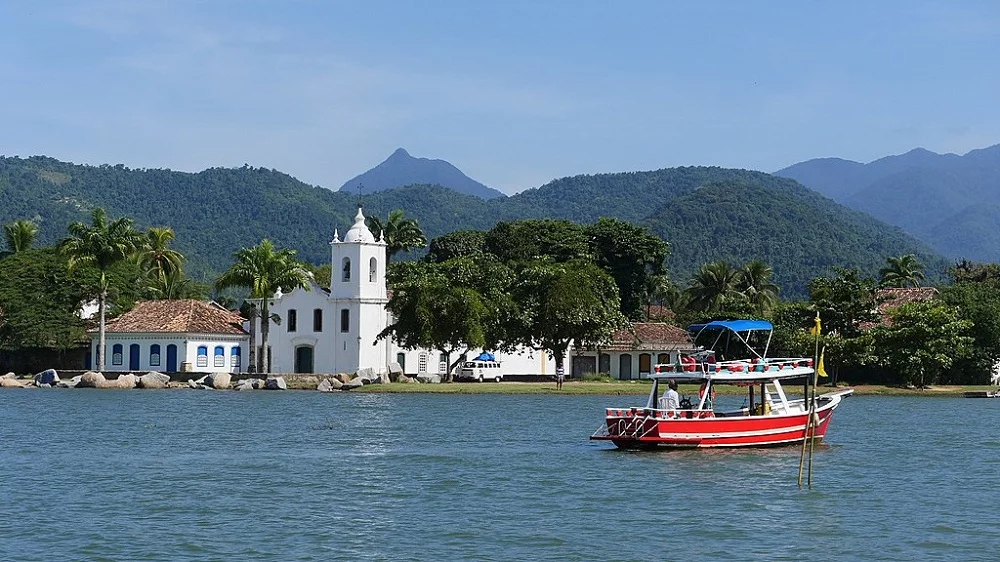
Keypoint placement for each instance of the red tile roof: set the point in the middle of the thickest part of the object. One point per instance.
(652, 336)
(895, 297)
(178, 316)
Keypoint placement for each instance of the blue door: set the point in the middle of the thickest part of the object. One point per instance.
(171, 358)
(133, 357)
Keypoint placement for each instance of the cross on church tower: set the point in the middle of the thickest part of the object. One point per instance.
(360, 187)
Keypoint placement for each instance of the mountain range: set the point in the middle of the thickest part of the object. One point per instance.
(705, 213)
(400, 170)
(948, 201)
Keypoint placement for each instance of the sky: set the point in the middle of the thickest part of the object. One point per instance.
(514, 93)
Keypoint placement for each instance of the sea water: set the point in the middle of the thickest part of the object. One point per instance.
(189, 475)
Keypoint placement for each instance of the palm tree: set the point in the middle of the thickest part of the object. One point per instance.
(173, 284)
(755, 282)
(400, 234)
(264, 270)
(20, 235)
(902, 271)
(714, 286)
(157, 259)
(101, 245)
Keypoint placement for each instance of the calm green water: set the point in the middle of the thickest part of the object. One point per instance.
(177, 475)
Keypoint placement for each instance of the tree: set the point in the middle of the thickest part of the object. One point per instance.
(263, 270)
(902, 271)
(431, 311)
(845, 302)
(40, 299)
(922, 341)
(157, 258)
(526, 240)
(758, 288)
(457, 244)
(979, 303)
(715, 288)
(101, 245)
(173, 284)
(632, 256)
(565, 302)
(20, 235)
(400, 234)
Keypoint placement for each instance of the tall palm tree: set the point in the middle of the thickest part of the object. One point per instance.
(263, 270)
(101, 245)
(902, 271)
(755, 282)
(158, 260)
(714, 286)
(173, 284)
(20, 235)
(401, 234)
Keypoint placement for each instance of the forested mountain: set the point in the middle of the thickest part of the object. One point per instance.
(945, 200)
(401, 169)
(705, 213)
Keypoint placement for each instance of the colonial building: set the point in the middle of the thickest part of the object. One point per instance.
(634, 352)
(174, 335)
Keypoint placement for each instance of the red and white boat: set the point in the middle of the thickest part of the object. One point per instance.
(768, 418)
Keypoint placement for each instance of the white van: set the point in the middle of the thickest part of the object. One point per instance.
(477, 370)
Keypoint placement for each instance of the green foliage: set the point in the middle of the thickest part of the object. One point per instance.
(564, 302)
(40, 301)
(902, 271)
(20, 235)
(979, 303)
(922, 342)
(400, 234)
(526, 240)
(633, 257)
(845, 302)
(458, 244)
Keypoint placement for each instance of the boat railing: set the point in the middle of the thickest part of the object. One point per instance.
(758, 365)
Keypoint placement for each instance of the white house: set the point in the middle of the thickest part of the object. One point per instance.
(174, 335)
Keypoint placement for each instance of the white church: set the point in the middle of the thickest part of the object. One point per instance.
(335, 331)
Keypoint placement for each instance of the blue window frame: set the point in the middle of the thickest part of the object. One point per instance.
(220, 356)
(202, 356)
(154, 355)
(116, 354)
(234, 356)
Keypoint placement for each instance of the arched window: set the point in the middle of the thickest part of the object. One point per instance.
(317, 319)
(116, 354)
(401, 359)
(154, 355)
(345, 320)
(347, 270)
(293, 320)
(663, 359)
(645, 360)
(234, 356)
(220, 356)
(372, 270)
(202, 356)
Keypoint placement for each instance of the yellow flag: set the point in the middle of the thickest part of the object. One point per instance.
(817, 328)
(819, 368)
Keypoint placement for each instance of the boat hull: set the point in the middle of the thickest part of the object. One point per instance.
(640, 428)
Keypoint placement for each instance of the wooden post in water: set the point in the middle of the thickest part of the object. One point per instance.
(811, 400)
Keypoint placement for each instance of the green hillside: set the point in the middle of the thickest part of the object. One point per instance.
(705, 213)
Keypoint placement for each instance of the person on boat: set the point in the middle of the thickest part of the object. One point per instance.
(670, 400)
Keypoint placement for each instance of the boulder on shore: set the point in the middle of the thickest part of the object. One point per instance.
(275, 383)
(356, 382)
(10, 383)
(429, 378)
(48, 376)
(329, 385)
(247, 384)
(9, 376)
(127, 381)
(395, 368)
(92, 379)
(153, 379)
(219, 381)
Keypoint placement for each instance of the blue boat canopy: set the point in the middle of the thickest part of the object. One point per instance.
(733, 325)
(485, 356)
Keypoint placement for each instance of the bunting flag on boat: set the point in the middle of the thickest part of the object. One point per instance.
(817, 329)
(819, 366)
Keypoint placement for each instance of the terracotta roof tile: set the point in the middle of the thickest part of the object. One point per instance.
(178, 316)
(653, 336)
(895, 297)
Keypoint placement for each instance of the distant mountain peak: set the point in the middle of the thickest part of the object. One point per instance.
(401, 169)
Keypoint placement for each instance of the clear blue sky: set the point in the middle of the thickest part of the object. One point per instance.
(514, 93)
